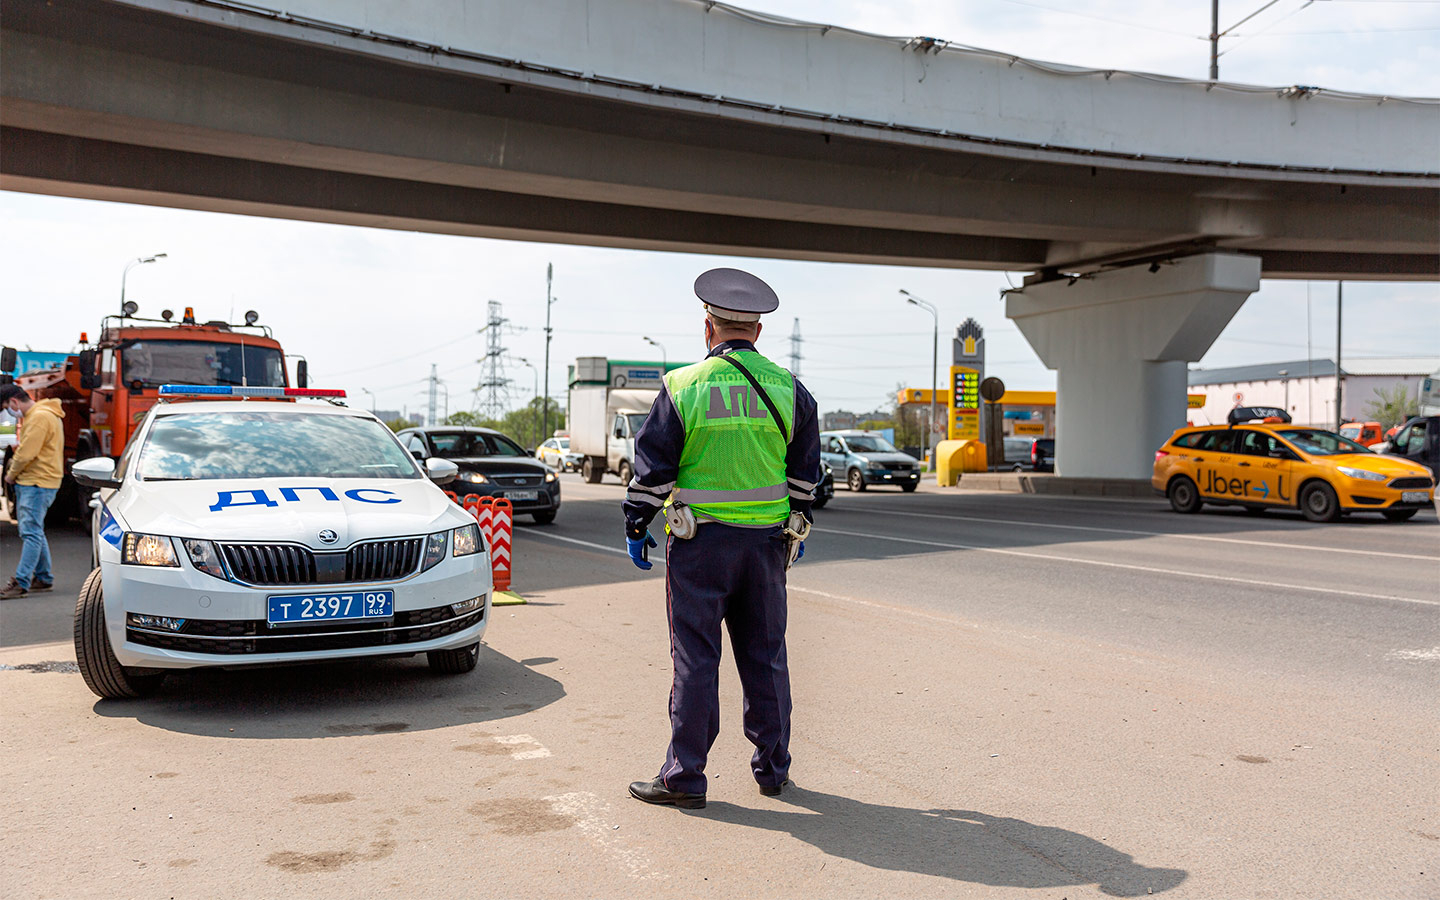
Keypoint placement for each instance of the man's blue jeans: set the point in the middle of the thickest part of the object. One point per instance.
(31, 503)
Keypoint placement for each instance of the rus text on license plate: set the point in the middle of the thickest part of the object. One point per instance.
(522, 495)
(293, 609)
(1413, 497)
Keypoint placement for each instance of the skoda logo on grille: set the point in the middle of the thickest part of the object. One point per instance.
(327, 536)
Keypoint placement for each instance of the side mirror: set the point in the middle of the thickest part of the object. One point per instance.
(85, 362)
(96, 472)
(302, 374)
(441, 471)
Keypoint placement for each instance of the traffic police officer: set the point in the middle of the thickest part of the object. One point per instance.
(731, 453)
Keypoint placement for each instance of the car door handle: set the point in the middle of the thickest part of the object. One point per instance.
(1244, 464)
(1197, 459)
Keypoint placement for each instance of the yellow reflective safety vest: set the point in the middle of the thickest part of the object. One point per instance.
(732, 469)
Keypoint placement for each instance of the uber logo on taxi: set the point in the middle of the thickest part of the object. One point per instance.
(1214, 484)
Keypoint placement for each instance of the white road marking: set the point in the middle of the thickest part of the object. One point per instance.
(1133, 568)
(592, 815)
(1422, 655)
(659, 561)
(1162, 534)
(534, 751)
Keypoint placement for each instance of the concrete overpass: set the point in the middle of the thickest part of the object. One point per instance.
(686, 125)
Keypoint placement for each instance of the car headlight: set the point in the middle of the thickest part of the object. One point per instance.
(204, 556)
(149, 550)
(1361, 474)
(467, 540)
(549, 476)
(472, 477)
(435, 547)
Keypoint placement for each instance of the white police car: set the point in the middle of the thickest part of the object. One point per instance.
(237, 532)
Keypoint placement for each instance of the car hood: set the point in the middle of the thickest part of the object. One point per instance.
(286, 509)
(884, 457)
(1389, 466)
(518, 465)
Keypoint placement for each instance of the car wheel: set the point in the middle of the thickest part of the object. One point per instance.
(624, 471)
(855, 481)
(1184, 495)
(591, 472)
(909, 488)
(102, 672)
(543, 518)
(1319, 503)
(454, 662)
(1398, 515)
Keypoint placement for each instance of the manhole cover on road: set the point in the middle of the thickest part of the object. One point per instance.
(50, 665)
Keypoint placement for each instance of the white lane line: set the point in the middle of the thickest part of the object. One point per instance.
(1430, 655)
(1131, 567)
(1162, 534)
(593, 817)
(659, 561)
(533, 748)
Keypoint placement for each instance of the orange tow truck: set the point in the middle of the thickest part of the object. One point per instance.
(1367, 434)
(106, 389)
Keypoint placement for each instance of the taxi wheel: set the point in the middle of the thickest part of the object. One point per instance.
(855, 481)
(102, 672)
(1184, 495)
(454, 662)
(1319, 503)
(1398, 515)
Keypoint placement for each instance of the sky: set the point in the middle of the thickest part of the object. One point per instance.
(373, 309)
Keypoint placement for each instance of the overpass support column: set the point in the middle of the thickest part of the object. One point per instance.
(1120, 341)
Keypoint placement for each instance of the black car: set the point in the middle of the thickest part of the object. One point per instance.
(491, 465)
(826, 488)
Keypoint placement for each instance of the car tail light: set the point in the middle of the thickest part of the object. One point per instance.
(1161, 454)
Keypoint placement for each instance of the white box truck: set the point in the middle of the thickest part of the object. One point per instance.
(609, 400)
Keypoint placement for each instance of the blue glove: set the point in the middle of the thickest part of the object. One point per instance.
(801, 555)
(637, 548)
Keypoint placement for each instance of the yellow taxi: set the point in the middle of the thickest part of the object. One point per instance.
(1260, 461)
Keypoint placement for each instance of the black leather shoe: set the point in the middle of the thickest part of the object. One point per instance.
(774, 790)
(656, 792)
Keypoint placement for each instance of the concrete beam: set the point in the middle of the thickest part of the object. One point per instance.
(1119, 342)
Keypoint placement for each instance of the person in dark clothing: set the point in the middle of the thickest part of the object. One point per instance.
(730, 452)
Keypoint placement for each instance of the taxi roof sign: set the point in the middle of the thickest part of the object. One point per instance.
(230, 390)
(1251, 413)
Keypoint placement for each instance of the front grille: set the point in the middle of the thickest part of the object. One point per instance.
(292, 564)
(255, 636)
(270, 563)
(519, 480)
(382, 560)
(1419, 482)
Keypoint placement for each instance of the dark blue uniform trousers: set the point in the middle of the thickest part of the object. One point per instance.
(738, 575)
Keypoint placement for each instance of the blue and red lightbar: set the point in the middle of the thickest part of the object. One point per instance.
(230, 390)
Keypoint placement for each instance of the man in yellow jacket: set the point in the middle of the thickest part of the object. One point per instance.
(36, 468)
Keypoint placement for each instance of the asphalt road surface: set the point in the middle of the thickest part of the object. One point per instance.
(996, 696)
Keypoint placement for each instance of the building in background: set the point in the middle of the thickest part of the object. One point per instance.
(1305, 388)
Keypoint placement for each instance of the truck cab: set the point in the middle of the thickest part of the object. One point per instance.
(106, 389)
(620, 446)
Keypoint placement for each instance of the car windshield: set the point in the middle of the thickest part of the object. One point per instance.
(869, 443)
(1322, 443)
(153, 363)
(636, 420)
(461, 444)
(199, 446)
(563, 443)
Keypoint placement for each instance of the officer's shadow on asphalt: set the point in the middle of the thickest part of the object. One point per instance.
(963, 845)
(339, 699)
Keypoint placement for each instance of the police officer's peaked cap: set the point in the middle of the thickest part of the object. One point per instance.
(735, 295)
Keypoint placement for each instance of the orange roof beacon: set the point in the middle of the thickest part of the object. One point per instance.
(1260, 461)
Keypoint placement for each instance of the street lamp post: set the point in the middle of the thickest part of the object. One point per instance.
(934, 368)
(549, 333)
(372, 399)
(1285, 377)
(138, 261)
(535, 377)
(664, 360)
